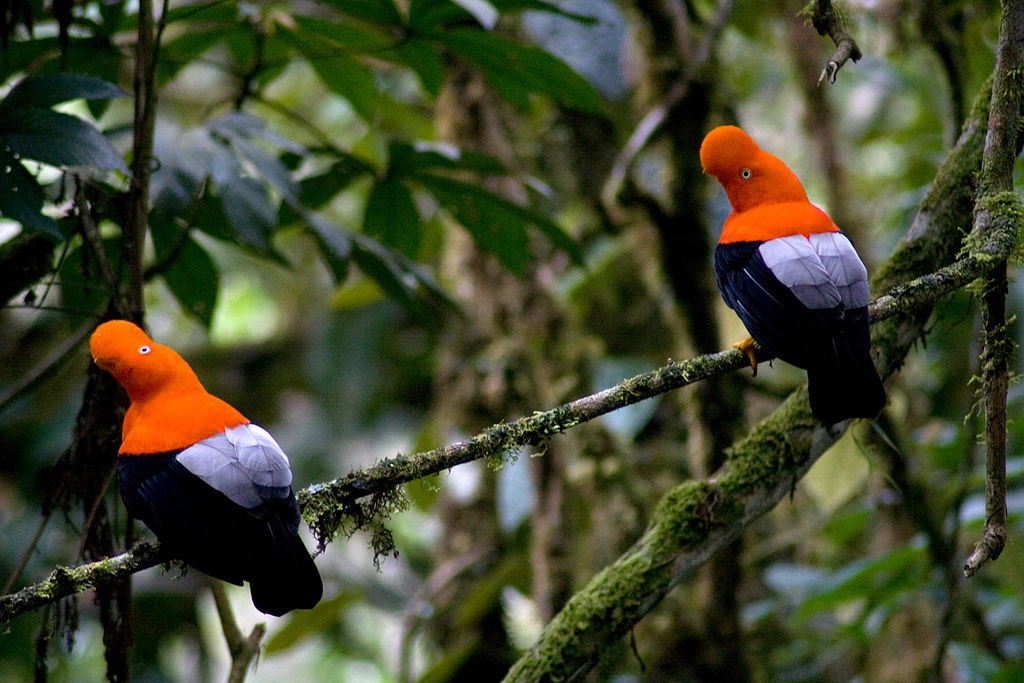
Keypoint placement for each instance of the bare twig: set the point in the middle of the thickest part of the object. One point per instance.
(243, 649)
(653, 121)
(47, 364)
(827, 21)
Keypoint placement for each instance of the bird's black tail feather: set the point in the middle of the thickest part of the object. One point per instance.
(845, 384)
(287, 579)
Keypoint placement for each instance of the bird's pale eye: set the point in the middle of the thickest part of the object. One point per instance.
(746, 173)
(144, 349)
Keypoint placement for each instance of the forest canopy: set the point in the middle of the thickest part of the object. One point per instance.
(456, 255)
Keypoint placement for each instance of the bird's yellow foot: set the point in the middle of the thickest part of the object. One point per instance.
(748, 346)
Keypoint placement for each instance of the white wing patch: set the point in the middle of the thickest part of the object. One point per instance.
(794, 261)
(244, 463)
(844, 267)
(822, 270)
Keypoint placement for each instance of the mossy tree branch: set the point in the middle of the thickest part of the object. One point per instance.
(828, 21)
(696, 518)
(326, 505)
(998, 208)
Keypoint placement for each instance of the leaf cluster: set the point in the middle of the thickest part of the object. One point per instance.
(256, 164)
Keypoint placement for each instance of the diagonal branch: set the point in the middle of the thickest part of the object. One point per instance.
(711, 512)
(333, 500)
(697, 518)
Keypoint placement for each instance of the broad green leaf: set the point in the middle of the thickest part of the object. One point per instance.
(335, 245)
(862, 579)
(190, 274)
(403, 280)
(241, 131)
(517, 71)
(316, 191)
(342, 74)
(483, 11)
(19, 55)
(435, 14)
(83, 290)
(391, 216)
(498, 225)
(422, 56)
(346, 36)
(21, 197)
(178, 52)
(43, 92)
(404, 158)
(375, 11)
(302, 624)
(249, 211)
(57, 139)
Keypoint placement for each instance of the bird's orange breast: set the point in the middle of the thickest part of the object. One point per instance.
(172, 422)
(769, 221)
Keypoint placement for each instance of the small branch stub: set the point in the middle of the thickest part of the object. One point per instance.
(827, 21)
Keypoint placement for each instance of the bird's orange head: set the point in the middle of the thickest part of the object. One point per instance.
(143, 367)
(750, 176)
(170, 408)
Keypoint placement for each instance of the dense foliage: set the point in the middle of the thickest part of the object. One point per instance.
(380, 226)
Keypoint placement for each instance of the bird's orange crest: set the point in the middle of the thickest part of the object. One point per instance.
(767, 198)
(170, 409)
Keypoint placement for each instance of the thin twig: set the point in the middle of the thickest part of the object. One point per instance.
(654, 120)
(243, 649)
(46, 365)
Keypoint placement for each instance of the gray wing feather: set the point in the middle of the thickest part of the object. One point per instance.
(795, 263)
(844, 267)
(244, 463)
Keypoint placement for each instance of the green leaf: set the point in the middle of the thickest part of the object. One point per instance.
(483, 11)
(422, 56)
(57, 139)
(335, 245)
(250, 213)
(391, 217)
(241, 131)
(518, 70)
(407, 159)
(190, 274)
(375, 11)
(21, 197)
(83, 290)
(434, 14)
(304, 623)
(341, 73)
(316, 191)
(42, 92)
(496, 224)
(402, 279)
(862, 579)
(344, 36)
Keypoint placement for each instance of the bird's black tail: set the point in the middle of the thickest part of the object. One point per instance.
(287, 579)
(845, 384)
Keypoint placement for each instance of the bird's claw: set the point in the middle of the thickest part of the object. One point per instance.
(749, 347)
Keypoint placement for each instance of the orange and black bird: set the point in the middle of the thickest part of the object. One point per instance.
(793, 278)
(214, 487)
